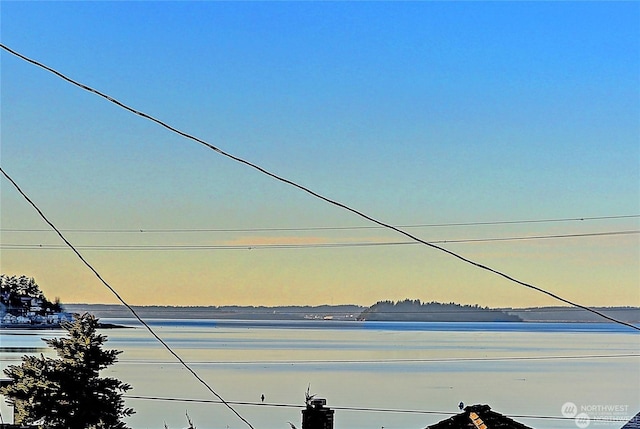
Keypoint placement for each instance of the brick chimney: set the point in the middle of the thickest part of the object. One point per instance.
(317, 416)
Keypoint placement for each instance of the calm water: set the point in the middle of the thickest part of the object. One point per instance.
(519, 369)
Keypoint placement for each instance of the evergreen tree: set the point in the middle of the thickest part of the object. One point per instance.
(13, 289)
(67, 392)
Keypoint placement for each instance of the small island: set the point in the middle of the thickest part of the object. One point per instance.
(23, 305)
(416, 311)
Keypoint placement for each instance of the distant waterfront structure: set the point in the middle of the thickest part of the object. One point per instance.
(32, 318)
(22, 304)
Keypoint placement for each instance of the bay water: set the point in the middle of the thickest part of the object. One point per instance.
(373, 374)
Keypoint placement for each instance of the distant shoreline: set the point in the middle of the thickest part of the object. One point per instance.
(338, 313)
(46, 326)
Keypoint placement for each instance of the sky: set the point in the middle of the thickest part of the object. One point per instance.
(456, 120)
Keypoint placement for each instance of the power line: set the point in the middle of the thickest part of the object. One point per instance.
(390, 361)
(314, 193)
(260, 404)
(361, 409)
(317, 228)
(168, 247)
(115, 293)
(381, 361)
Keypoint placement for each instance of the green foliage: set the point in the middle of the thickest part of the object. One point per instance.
(13, 289)
(414, 310)
(21, 286)
(67, 392)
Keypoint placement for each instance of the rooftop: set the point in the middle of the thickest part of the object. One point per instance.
(634, 423)
(478, 417)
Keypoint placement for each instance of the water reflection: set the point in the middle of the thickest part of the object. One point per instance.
(519, 369)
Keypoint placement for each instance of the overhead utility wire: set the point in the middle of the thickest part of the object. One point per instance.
(383, 361)
(260, 404)
(115, 293)
(168, 247)
(367, 409)
(377, 361)
(318, 228)
(311, 192)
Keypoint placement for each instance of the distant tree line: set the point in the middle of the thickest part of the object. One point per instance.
(416, 311)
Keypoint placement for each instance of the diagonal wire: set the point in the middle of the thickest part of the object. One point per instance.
(313, 193)
(114, 292)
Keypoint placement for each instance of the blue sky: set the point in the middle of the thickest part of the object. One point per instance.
(414, 112)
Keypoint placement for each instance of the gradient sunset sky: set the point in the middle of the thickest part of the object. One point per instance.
(416, 113)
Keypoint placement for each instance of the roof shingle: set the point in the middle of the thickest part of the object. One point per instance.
(634, 423)
(476, 415)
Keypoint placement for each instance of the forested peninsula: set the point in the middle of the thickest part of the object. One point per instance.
(22, 304)
(416, 311)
